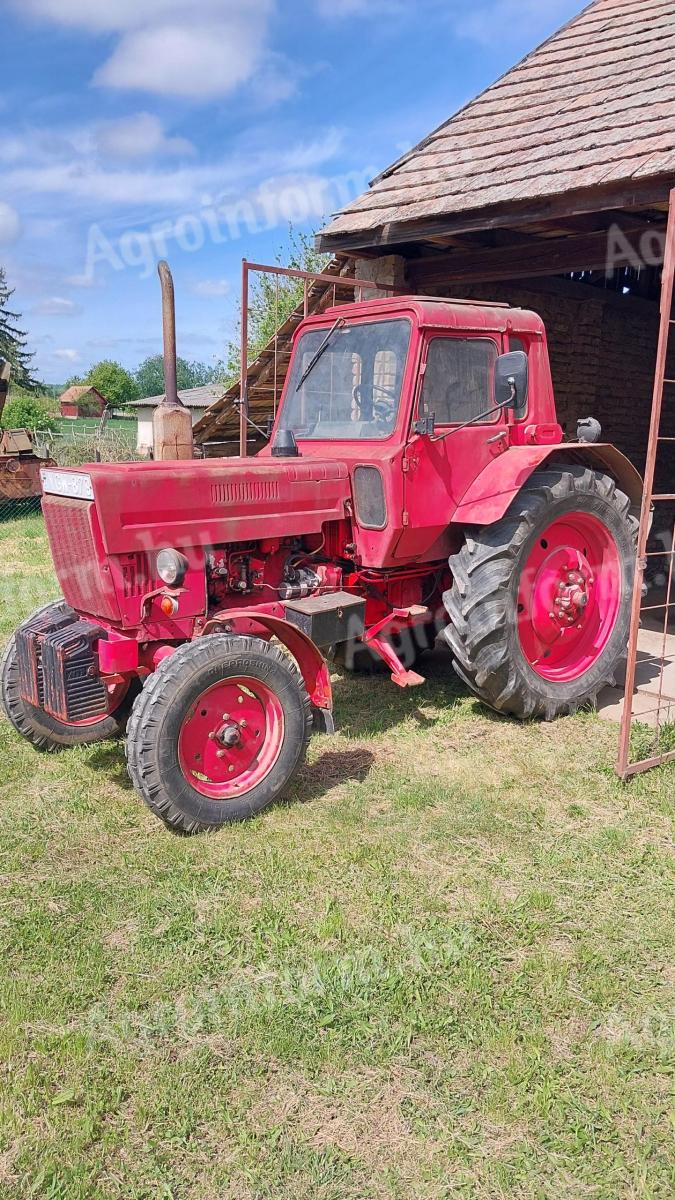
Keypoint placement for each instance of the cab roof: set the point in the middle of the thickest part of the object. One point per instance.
(439, 312)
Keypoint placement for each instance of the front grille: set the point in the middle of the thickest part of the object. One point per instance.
(73, 689)
(76, 558)
(135, 571)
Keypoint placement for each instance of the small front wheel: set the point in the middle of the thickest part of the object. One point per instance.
(217, 732)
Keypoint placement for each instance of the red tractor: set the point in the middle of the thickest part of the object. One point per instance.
(416, 480)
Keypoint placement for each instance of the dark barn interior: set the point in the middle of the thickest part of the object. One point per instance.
(548, 191)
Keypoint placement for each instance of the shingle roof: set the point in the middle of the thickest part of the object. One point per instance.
(76, 392)
(593, 105)
(199, 397)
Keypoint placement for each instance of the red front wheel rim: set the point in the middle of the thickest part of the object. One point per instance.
(231, 738)
(569, 597)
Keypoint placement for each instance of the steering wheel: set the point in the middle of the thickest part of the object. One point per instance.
(383, 410)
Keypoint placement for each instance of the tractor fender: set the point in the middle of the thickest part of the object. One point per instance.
(492, 491)
(310, 660)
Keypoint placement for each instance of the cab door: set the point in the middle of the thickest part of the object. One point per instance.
(456, 385)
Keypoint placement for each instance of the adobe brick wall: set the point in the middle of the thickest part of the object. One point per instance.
(602, 348)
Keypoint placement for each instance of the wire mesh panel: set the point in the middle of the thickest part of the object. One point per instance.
(648, 723)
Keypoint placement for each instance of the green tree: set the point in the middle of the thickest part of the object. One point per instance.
(26, 411)
(272, 300)
(13, 339)
(149, 375)
(117, 386)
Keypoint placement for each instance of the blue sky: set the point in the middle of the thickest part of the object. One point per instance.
(133, 129)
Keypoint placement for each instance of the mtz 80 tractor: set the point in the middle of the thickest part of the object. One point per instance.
(416, 480)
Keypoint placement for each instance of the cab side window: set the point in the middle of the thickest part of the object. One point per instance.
(459, 379)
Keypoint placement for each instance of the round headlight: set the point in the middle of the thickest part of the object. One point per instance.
(171, 567)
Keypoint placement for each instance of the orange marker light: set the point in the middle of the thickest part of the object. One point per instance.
(169, 606)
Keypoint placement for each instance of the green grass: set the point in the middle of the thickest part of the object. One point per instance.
(443, 969)
(123, 427)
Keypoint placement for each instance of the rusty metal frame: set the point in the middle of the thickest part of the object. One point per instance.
(625, 767)
(309, 277)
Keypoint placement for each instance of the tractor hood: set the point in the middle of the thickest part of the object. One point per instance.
(148, 505)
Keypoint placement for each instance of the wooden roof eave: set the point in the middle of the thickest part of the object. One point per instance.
(624, 196)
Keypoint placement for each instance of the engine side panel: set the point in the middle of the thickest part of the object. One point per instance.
(144, 506)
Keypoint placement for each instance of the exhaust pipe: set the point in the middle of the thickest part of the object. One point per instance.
(171, 420)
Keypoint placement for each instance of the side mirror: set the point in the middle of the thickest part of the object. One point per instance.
(511, 380)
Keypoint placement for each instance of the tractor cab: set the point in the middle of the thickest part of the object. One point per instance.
(417, 396)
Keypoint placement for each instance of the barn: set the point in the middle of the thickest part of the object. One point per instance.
(549, 191)
(81, 400)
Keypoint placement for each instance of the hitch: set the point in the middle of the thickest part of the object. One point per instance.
(373, 638)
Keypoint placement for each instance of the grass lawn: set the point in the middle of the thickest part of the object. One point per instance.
(445, 969)
(124, 427)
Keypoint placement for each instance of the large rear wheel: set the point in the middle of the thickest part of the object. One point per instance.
(217, 732)
(540, 602)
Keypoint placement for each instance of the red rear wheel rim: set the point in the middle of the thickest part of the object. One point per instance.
(231, 738)
(569, 597)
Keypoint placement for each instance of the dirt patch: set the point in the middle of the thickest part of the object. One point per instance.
(365, 1115)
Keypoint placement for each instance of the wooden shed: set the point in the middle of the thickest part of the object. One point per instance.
(81, 400)
(549, 191)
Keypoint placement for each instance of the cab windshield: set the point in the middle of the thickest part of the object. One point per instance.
(353, 388)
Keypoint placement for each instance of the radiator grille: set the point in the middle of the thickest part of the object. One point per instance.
(135, 570)
(75, 556)
(245, 491)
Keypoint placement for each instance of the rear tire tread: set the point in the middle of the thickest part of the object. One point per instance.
(479, 599)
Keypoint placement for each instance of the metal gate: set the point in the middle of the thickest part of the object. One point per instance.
(648, 723)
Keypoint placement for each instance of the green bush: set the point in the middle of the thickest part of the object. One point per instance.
(27, 412)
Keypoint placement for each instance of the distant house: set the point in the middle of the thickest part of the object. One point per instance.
(196, 399)
(81, 401)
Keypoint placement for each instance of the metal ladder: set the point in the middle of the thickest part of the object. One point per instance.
(634, 758)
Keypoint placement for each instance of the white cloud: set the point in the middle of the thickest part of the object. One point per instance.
(211, 288)
(167, 47)
(336, 10)
(10, 225)
(66, 355)
(56, 306)
(125, 14)
(482, 21)
(175, 60)
(139, 136)
(70, 166)
(512, 19)
(82, 281)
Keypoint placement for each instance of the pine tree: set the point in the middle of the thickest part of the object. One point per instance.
(12, 339)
